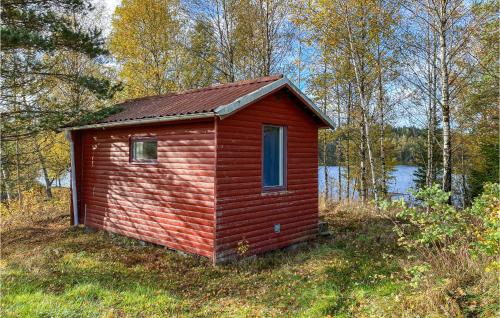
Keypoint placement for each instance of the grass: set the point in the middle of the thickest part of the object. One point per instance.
(52, 270)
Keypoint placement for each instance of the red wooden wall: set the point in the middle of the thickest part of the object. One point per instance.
(204, 195)
(244, 212)
(170, 202)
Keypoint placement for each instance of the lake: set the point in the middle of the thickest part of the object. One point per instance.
(400, 181)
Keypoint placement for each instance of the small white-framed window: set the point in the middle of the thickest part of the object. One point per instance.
(144, 150)
(273, 156)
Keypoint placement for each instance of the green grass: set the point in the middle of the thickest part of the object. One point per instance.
(52, 270)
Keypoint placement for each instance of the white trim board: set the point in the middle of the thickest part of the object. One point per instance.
(229, 109)
(141, 121)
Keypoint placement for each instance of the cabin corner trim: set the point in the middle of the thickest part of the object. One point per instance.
(74, 195)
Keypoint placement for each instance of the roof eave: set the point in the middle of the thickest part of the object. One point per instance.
(221, 111)
(229, 109)
(141, 121)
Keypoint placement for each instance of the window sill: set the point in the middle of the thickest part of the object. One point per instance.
(275, 192)
(144, 162)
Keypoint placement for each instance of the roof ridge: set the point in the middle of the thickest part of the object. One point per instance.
(232, 84)
(211, 87)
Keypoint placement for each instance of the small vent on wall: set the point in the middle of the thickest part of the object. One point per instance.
(277, 228)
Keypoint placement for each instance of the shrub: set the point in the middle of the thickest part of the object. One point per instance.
(434, 224)
(438, 225)
(34, 206)
(486, 229)
(451, 252)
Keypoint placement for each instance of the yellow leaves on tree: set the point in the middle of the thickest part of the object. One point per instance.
(54, 149)
(144, 41)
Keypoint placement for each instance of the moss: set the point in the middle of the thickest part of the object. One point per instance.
(96, 117)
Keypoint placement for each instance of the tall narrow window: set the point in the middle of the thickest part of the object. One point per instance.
(273, 156)
(144, 150)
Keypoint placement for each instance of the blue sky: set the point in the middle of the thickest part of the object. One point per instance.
(401, 118)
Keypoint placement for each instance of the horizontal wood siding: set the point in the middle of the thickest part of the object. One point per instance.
(244, 212)
(170, 202)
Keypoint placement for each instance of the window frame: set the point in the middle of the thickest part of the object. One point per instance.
(282, 187)
(132, 140)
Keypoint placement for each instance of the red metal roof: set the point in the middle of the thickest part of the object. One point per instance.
(201, 100)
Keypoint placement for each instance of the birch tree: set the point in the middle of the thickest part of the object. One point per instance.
(357, 29)
(144, 40)
(447, 27)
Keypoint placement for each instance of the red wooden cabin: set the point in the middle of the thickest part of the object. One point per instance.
(204, 171)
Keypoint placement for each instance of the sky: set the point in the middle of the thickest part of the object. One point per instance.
(110, 8)
(111, 4)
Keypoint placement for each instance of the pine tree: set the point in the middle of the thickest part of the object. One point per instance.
(38, 39)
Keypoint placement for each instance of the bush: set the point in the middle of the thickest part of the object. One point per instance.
(434, 224)
(486, 229)
(451, 252)
(438, 225)
(34, 206)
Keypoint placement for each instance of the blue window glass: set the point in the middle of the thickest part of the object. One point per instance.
(273, 159)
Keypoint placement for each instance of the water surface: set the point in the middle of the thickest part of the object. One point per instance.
(399, 183)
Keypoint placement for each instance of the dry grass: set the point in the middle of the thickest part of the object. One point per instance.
(52, 270)
(34, 207)
(455, 285)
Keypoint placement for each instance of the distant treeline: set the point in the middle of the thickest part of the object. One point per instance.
(408, 144)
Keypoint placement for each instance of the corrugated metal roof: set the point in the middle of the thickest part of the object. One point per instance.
(195, 101)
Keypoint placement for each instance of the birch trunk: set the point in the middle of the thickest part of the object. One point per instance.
(4, 178)
(370, 155)
(48, 182)
(18, 174)
(6, 184)
(339, 146)
(383, 181)
(445, 98)
(325, 146)
(431, 105)
(364, 106)
(362, 158)
(434, 108)
(431, 123)
(430, 152)
(348, 150)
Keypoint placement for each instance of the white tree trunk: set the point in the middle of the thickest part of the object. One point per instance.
(364, 107)
(445, 99)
